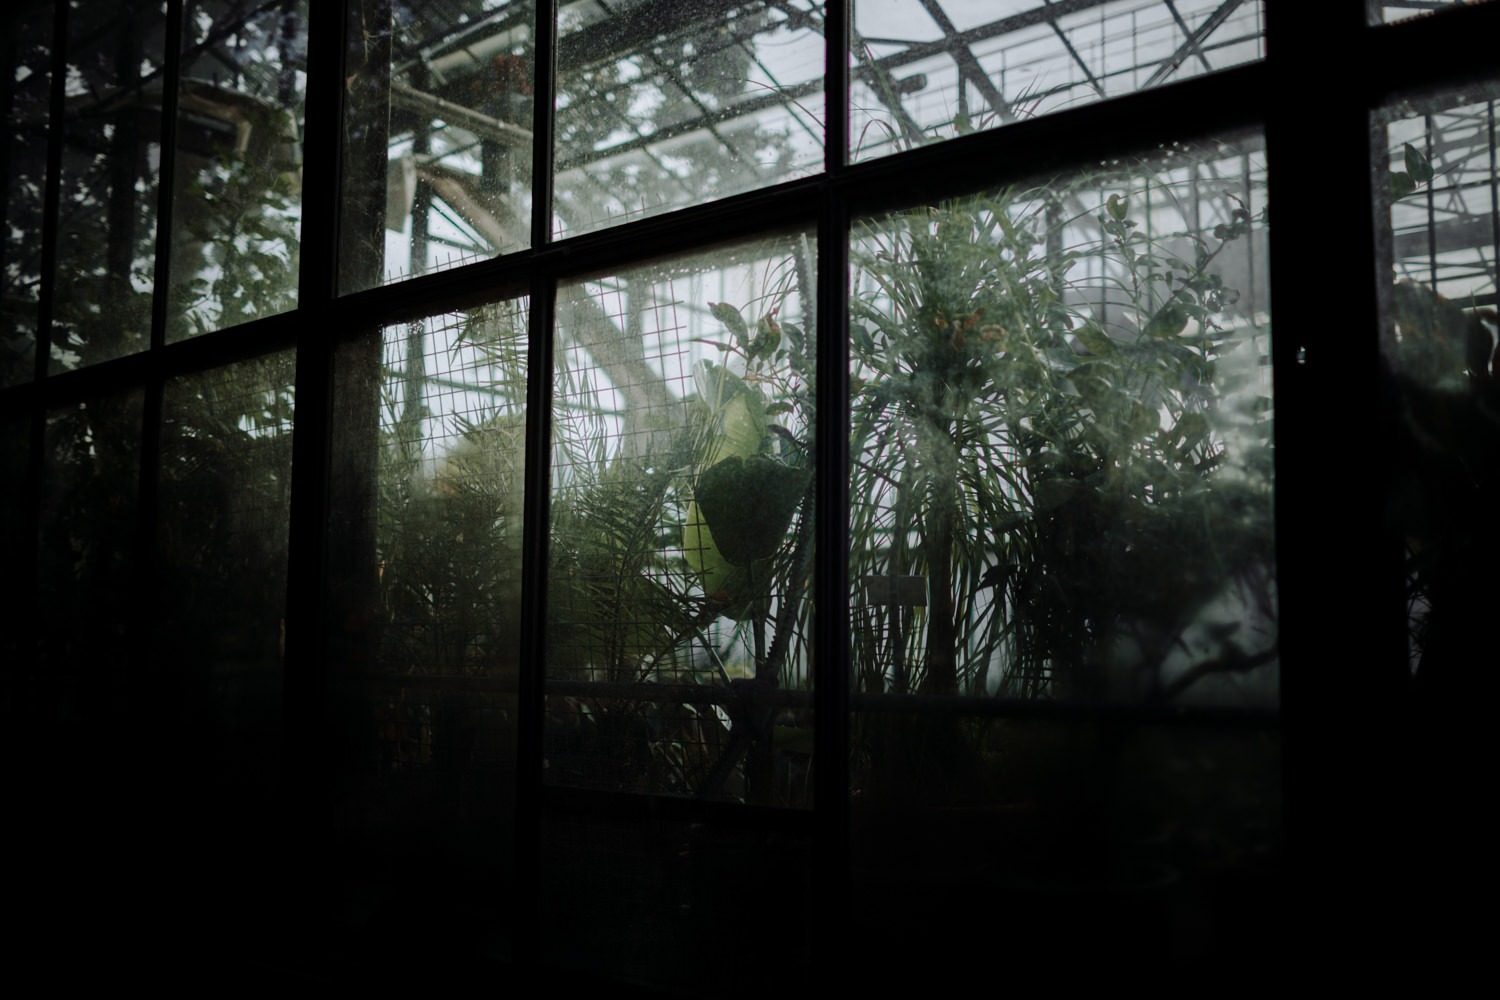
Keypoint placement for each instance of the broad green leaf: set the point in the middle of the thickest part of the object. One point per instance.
(732, 320)
(767, 336)
(1416, 164)
(1096, 340)
(747, 503)
(1169, 321)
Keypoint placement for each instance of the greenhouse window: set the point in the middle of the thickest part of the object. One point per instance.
(709, 496)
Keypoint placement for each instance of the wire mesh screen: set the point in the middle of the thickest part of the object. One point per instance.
(661, 105)
(453, 428)
(680, 535)
(424, 591)
(452, 450)
(425, 568)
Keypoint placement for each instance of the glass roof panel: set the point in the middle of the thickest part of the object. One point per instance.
(993, 63)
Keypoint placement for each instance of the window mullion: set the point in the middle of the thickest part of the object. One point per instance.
(831, 537)
(52, 195)
(305, 666)
(531, 693)
(1341, 660)
(831, 667)
(544, 83)
(151, 417)
(536, 518)
(836, 85)
(166, 173)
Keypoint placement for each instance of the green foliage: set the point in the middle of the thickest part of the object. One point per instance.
(748, 504)
(1066, 490)
(234, 246)
(449, 538)
(1418, 172)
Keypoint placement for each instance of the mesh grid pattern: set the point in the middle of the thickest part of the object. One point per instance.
(643, 360)
(449, 539)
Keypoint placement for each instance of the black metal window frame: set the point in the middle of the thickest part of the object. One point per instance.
(1344, 674)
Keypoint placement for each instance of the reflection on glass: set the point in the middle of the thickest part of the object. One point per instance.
(106, 252)
(663, 104)
(236, 198)
(437, 158)
(225, 484)
(677, 645)
(1061, 440)
(425, 583)
(924, 70)
(1441, 189)
(25, 85)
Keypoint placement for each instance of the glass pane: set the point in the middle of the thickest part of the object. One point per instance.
(678, 628)
(106, 252)
(87, 577)
(1061, 501)
(425, 556)
(925, 70)
(25, 93)
(1061, 484)
(1402, 10)
(1442, 229)
(663, 104)
(437, 158)
(221, 561)
(236, 195)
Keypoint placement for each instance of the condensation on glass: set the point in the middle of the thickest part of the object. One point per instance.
(224, 491)
(236, 198)
(1439, 216)
(425, 591)
(925, 70)
(1402, 10)
(25, 91)
(111, 158)
(663, 104)
(437, 152)
(681, 533)
(1061, 501)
